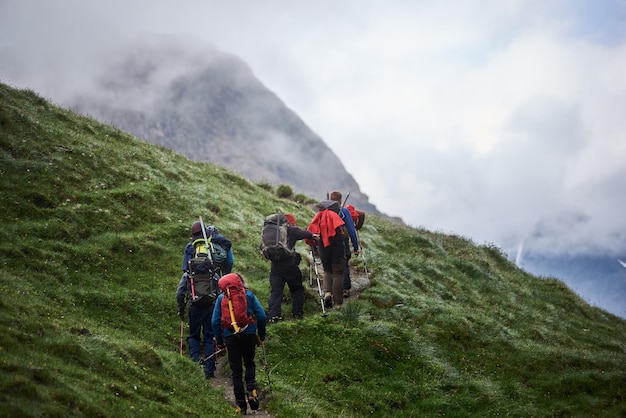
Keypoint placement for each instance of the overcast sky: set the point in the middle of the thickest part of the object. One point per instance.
(503, 121)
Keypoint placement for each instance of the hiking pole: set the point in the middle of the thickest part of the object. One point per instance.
(344, 201)
(310, 275)
(207, 358)
(182, 330)
(319, 287)
(265, 366)
(206, 241)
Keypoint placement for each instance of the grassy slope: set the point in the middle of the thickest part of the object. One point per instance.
(93, 225)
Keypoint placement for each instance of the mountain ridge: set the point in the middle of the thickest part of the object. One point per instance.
(209, 106)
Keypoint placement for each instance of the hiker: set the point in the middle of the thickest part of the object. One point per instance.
(329, 225)
(288, 271)
(200, 297)
(240, 340)
(200, 331)
(214, 234)
(351, 229)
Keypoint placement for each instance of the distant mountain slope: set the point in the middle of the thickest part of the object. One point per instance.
(210, 107)
(600, 280)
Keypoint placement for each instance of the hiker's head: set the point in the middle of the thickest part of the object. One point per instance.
(336, 196)
(291, 219)
(196, 229)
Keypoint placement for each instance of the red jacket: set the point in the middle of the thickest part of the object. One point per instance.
(325, 223)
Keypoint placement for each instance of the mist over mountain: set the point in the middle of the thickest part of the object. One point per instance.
(210, 107)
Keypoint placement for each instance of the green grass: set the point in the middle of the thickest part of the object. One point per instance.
(93, 226)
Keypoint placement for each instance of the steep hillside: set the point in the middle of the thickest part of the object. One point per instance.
(93, 226)
(209, 106)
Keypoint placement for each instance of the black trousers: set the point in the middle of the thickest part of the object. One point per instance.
(286, 272)
(241, 349)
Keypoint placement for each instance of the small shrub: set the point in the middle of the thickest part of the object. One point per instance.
(284, 191)
(266, 186)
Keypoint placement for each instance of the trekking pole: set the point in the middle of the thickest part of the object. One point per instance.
(362, 255)
(207, 358)
(344, 201)
(265, 366)
(206, 241)
(319, 287)
(182, 330)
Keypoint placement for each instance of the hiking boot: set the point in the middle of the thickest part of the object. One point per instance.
(253, 401)
(275, 319)
(209, 375)
(346, 293)
(328, 301)
(298, 316)
(242, 407)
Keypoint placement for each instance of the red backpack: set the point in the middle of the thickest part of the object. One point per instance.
(235, 316)
(358, 216)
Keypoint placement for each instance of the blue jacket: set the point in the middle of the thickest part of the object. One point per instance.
(347, 218)
(254, 308)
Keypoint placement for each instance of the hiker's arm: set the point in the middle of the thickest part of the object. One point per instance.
(222, 240)
(216, 325)
(181, 293)
(259, 314)
(351, 231)
(187, 253)
(297, 234)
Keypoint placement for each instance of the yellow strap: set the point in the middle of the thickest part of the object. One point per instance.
(232, 312)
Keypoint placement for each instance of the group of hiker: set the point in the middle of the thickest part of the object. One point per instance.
(224, 315)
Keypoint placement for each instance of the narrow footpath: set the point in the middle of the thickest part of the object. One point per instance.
(360, 281)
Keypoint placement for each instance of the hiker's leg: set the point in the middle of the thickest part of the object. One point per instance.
(248, 347)
(338, 265)
(347, 284)
(277, 286)
(195, 324)
(233, 347)
(297, 292)
(209, 343)
(326, 259)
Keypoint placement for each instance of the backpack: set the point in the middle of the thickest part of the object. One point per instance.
(203, 276)
(235, 316)
(274, 238)
(358, 217)
(218, 253)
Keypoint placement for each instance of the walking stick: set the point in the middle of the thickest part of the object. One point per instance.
(319, 287)
(207, 358)
(265, 366)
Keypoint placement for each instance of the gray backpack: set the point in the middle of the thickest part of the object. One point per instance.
(274, 243)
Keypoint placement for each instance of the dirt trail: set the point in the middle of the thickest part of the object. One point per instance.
(223, 380)
(360, 281)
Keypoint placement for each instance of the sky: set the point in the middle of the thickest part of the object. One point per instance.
(503, 121)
